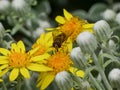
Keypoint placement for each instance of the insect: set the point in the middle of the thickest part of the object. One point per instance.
(58, 40)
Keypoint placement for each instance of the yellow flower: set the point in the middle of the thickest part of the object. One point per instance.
(59, 61)
(44, 43)
(71, 25)
(18, 62)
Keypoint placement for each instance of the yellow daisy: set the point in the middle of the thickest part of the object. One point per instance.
(44, 43)
(18, 62)
(71, 25)
(59, 61)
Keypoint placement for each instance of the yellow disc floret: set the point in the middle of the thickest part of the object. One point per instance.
(18, 59)
(59, 62)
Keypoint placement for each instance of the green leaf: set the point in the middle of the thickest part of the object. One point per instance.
(96, 10)
(80, 13)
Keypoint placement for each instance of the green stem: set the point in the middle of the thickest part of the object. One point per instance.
(19, 83)
(101, 71)
(91, 76)
(95, 82)
(4, 86)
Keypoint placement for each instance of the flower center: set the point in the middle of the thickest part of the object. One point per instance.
(59, 62)
(72, 27)
(18, 59)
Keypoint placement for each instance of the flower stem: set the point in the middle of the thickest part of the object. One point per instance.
(101, 71)
(4, 86)
(95, 82)
(91, 76)
(19, 83)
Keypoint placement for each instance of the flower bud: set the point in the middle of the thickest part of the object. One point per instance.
(20, 6)
(114, 78)
(4, 6)
(87, 42)
(109, 15)
(85, 86)
(112, 45)
(64, 80)
(77, 57)
(102, 30)
(117, 19)
(2, 31)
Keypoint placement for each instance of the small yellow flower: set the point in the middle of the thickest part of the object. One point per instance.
(71, 25)
(44, 43)
(59, 61)
(18, 62)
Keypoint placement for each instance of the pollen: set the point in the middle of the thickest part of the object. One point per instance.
(59, 62)
(18, 59)
(73, 27)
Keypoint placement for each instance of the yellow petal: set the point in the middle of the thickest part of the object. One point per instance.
(38, 67)
(25, 72)
(67, 15)
(1, 80)
(40, 58)
(77, 72)
(15, 48)
(4, 51)
(80, 73)
(21, 46)
(4, 61)
(3, 72)
(14, 74)
(31, 52)
(3, 66)
(46, 80)
(49, 29)
(48, 37)
(88, 26)
(60, 19)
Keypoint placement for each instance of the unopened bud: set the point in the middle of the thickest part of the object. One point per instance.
(109, 15)
(117, 19)
(64, 80)
(2, 31)
(112, 45)
(87, 42)
(77, 57)
(114, 78)
(102, 30)
(4, 6)
(20, 6)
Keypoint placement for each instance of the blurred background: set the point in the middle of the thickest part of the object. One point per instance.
(27, 19)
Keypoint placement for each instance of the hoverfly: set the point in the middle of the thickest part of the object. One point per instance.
(58, 40)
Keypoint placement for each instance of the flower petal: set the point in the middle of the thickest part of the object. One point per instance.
(48, 37)
(88, 26)
(25, 72)
(15, 48)
(3, 66)
(4, 51)
(3, 72)
(40, 58)
(4, 61)
(14, 74)
(49, 29)
(1, 80)
(80, 73)
(67, 15)
(31, 52)
(38, 67)
(21, 45)
(60, 19)
(45, 81)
